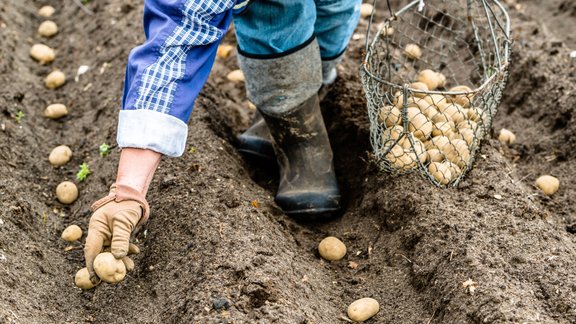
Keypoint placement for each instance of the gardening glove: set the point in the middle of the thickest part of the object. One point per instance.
(113, 220)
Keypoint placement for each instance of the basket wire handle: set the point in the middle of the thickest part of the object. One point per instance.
(421, 5)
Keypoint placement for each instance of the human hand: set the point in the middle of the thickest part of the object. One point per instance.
(113, 220)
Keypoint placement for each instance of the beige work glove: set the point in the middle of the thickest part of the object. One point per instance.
(113, 220)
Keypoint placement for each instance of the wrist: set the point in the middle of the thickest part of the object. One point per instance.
(136, 168)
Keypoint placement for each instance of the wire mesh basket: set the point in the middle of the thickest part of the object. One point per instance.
(433, 78)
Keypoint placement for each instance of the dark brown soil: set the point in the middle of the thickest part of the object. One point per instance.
(414, 244)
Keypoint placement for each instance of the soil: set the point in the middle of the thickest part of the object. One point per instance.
(218, 250)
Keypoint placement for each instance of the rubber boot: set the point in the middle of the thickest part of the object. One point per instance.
(285, 91)
(255, 144)
(308, 183)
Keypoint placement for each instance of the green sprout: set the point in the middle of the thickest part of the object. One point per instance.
(192, 150)
(85, 2)
(84, 172)
(104, 150)
(19, 116)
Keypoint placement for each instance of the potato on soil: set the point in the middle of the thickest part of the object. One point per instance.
(455, 170)
(413, 51)
(363, 309)
(60, 155)
(48, 28)
(224, 50)
(108, 268)
(55, 111)
(55, 79)
(366, 10)
(46, 11)
(82, 279)
(235, 76)
(548, 184)
(331, 249)
(72, 233)
(440, 172)
(506, 137)
(66, 192)
(42, 53)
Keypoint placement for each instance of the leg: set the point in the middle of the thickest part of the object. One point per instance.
(335, 23)
(283, 73)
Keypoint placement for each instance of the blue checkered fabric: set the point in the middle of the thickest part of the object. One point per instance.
(159, 80)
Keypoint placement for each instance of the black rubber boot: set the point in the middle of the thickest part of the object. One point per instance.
(308, 185)
(255, 144)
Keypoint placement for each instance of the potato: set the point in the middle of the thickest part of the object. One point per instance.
(60, 155)
(440, 172)
(366, 10)
(108, 268)
(506, 137)
(402, 158)
(441, 79)
(413, 51)
(331, 249)
(128, 263)
(387, 31)
(438, 142)
(399, 100)
(548, 184)
(434, 155)
(66, 192)
(455, 170)
(431, 79)
(236, 76)
(389, 115)
(224, 50)
(72, 233)
(48, 28)
(82, 279)
(455, 112)
(55, 79)
(466, 134)
(419, 124)
(55, 111)
(457, 152)
(444, 128)
(418, 86)
(46, 11)
(474, 114)
(363, 309)
(467, 124)
(392, 134)
(463, 100)
(437, 100)
(418, 148)
(42, 53)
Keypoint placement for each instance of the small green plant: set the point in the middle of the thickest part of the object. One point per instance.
(19, 116)
(85, 2)
(104, 150)
(192, 150)
(83, 173)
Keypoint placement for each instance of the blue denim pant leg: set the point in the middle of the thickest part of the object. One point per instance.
(335, 23)
(271, 28)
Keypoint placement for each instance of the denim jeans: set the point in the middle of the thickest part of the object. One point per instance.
(269, 28)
